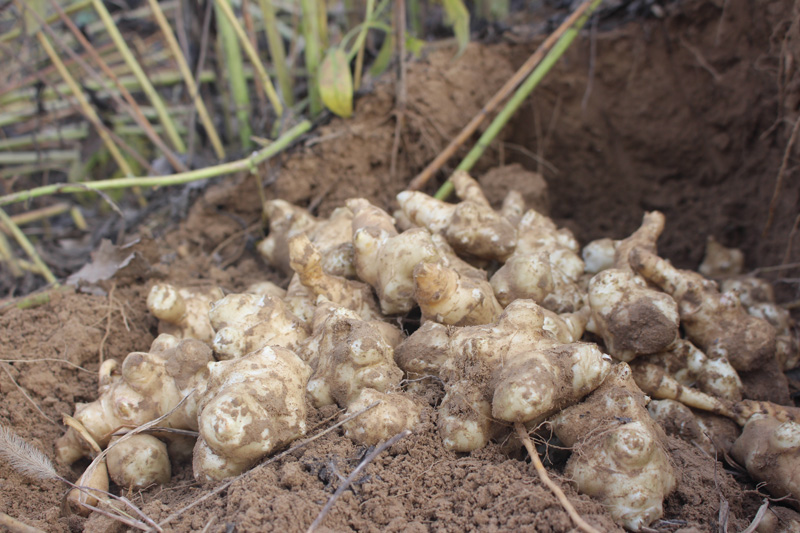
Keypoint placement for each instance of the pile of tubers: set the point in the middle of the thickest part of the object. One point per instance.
(509, 307)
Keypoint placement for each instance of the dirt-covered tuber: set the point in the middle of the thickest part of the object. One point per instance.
(245, 323)
(251, 406)
(183, 312)
(618, 453)
(446, 296)
(148, 385)
(714, 321)
(139, 461)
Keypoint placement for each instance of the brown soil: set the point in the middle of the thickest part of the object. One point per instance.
(689, 114)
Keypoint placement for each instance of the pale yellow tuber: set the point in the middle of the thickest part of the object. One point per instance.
(770, 450)
(331, 236)
(385, 259)
(307, 263)
(245, 323)
(139, 461)
(148, 386)
(721, 262)
(544, 267)
(396, 412)
(515, 370)
(690, 367)
(632, 318)
(618, 453)
(447, 297)
(93, 485)
(758, 299)
(252, 405)
(599, 255)
(349, 354)
(513, 208)
(715, 322)
(471, 228)
(183, 312)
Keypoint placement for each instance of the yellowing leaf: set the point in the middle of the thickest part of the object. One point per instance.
(414, 45)
(384, 56)
(458, 16)
(336, 83)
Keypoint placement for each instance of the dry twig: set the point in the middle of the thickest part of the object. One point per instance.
(562, 498)
(356, 471)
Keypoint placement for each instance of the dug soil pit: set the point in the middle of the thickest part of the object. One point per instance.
(689, 114)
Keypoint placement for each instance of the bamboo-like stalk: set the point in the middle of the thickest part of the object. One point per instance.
(7, 256)
(49, 156)
(24, 170)
(26, 245)
(86, 108)
(147, 87)
(238, 83)
(517, 99)
(415, 16)
(361, 45)
(132, 106)
(276, 51)
(249, 164)
(322, 24)
(69, 133)
(39, 214)
(186, 72)
(250, 30)
(312, 53)
(269, 89)
(72, 8)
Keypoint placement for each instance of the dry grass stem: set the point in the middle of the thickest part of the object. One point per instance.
(271, 460)
(15, 526)
(356, 471)
(580, 523)
(27, 396)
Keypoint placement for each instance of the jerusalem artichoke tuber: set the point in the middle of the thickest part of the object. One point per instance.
(618, 453)
(251, 406)
(183, 312)
(715, 322)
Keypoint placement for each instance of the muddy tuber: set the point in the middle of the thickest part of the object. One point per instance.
(148, 385)
(183, 312)
(245, 323)
(618, 453)
(139, 461)
(251, 406)
(714, 321)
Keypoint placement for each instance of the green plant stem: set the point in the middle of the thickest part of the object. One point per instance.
(238, 82)
(136, 69)
(361, 45)
(194, 90)
(249, 164)
(269, 89)
(72, 8)
(49, 156)
(276, 51)
(26, 245)
(524, 90)
(52, 135)
(312, 53)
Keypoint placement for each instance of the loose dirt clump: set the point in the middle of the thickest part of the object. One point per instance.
(689, 114)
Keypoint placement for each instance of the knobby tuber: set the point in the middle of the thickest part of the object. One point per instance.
(715, 322)
(632, 318)
(139, 461)
(770, 450)
(472, 228)
(306, 261)
(618, 453)
(251, 406)
(331, 237)
(245, 323)
(148, 385)
(183, 312)
(446, 296)
(385, 259)
(514, 371)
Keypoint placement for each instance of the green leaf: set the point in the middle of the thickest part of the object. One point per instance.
(336, 83)
(414, 45)
(384, 57)
(458, 16)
